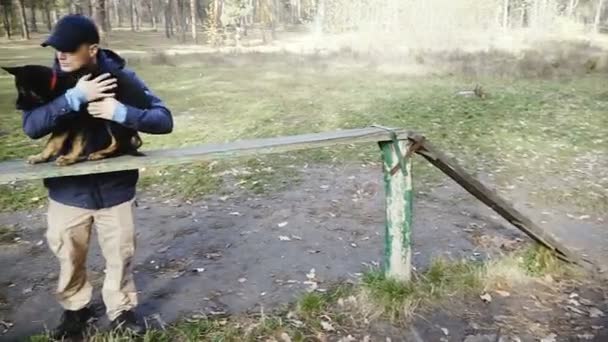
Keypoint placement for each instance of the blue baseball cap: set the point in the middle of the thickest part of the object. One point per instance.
(71, 32)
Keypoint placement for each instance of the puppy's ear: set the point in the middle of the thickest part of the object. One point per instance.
(12, 70)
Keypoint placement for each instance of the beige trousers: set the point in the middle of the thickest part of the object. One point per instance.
(68, 234)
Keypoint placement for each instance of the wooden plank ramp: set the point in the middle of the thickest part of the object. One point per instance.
(19, 170)
(495, 202)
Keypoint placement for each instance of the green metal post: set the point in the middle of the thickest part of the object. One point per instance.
(399, 203)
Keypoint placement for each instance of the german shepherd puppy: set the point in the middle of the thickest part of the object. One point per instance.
(38, 85)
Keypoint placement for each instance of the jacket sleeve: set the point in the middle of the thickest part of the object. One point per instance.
(41, 121)
(155, 120)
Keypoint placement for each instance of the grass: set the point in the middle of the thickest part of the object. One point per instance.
(528, 133)
(349, 309)
(398, 301)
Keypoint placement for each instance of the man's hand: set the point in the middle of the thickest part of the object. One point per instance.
(96, 88)
(105, 109)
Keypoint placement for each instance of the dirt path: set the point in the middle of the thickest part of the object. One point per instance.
(242, 252)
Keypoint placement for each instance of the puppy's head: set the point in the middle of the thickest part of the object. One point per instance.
(35, 85)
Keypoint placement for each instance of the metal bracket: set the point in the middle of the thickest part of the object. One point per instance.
(395, 140)
(415, 147)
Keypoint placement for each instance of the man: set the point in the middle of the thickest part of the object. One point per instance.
(76, 203)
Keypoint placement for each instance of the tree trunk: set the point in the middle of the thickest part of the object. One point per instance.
(201, 11)
(54, 15)
(76, 6)
(179, 18)
(132, 14)
(108, 11)
(47, 14)
(33, 24)
(153, 16)
(183, 20)
(20, 8)
(99, 16)
(598, 16)
(218, 12)
(572, 4)
(116, 11)
(298, 11)
(193, 19)
(168, 19)
(505, 14)
(6, 19)
(138, 17)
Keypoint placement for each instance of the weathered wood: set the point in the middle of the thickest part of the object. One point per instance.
(398, 206)
(12, 171)
(494, 201)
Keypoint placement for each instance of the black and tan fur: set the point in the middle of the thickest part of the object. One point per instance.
(38, 85)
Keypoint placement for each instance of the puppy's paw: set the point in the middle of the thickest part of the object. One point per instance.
(64, 161)
(36, 159)
(95, 156)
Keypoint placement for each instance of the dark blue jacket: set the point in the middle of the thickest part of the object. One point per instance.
(104, 190)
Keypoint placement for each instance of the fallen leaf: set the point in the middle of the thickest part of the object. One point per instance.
(486, 298)
(198, 270)
(312, 274)
(595, 312)
(327, 326)
(5, 325)
(295, 237)
(354, 245)
(502, 293)
(575, 310)
(242, 280)
(574, 302)
(549, 338)
(296, 323)
(284, 238)
(574, 295)
(445, 331)
(282, 224)
(235, 213)
(213, 255)
(313, 251)
(313, 285)
(585, 336)
(285, 337)
(40, 243)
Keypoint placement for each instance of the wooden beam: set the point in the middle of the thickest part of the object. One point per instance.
(18, 170)
(494, 201)
(399, 207)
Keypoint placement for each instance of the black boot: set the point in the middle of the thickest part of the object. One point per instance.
(72, 323)
(127, 322)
